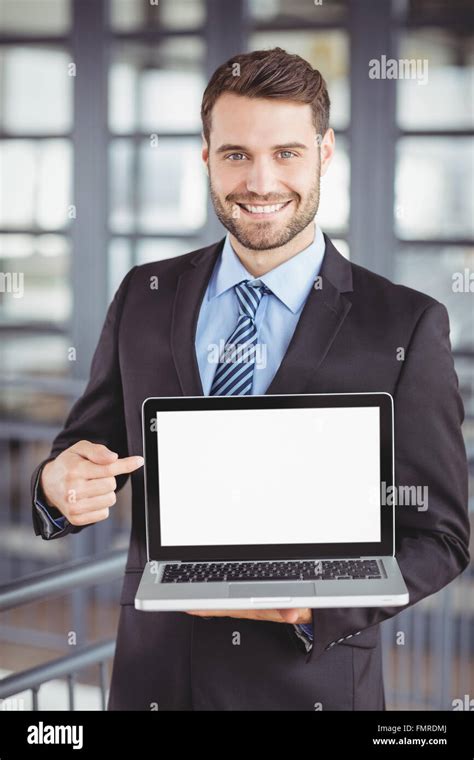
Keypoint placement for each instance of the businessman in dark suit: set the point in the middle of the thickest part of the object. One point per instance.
(327, 326)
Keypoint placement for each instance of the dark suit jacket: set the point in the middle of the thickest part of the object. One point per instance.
(347, 339)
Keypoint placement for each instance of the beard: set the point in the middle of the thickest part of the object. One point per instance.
(261, 235)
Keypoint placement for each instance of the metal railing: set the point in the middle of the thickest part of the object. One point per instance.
(52, 582)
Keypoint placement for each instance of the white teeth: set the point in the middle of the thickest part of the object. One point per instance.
(263, 209)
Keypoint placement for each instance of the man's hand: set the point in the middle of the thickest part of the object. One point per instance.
(81, 483)
(290, 615)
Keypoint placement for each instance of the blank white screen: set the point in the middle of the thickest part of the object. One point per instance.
(269, 476)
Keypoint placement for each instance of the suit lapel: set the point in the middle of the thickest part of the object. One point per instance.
(324, 312)
(321, 318)
(190, 292)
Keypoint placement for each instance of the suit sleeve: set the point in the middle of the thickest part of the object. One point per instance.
(432, 546)
(97, 416)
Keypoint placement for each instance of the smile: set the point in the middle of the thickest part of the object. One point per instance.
(263, 211)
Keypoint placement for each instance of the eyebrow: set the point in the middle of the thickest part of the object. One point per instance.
(228, 146)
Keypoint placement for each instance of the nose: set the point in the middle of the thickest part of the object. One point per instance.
(261, 177)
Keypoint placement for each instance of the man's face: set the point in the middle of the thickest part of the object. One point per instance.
(265, 161)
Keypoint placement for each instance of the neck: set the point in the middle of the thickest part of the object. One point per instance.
(259, 262)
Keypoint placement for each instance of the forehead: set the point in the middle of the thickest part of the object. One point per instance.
(260, 120)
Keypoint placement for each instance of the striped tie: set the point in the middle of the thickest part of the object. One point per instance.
(234, 373)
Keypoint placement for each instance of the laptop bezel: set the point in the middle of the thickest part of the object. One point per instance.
(157, 552)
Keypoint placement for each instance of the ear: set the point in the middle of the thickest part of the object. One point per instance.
(328, 146)
(205, 153)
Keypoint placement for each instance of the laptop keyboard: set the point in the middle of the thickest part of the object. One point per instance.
(304, 570)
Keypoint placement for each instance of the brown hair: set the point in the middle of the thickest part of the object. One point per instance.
(269, 74)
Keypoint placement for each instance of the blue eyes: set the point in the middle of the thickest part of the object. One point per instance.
(289, 154)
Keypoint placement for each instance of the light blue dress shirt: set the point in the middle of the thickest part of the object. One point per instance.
(276, 317)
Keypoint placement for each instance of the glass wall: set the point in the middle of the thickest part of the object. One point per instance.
(36, 119)
(434, 180)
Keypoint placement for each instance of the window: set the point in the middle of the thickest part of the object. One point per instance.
(158, 186)
(434, 177)
(36, 118)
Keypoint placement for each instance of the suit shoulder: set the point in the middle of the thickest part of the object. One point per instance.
(376, 288)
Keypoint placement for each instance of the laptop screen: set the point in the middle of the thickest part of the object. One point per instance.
(269, 476)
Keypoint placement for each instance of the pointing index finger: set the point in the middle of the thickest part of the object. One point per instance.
(119, 467)
(127, 464)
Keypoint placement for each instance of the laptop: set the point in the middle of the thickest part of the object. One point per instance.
(269, 501)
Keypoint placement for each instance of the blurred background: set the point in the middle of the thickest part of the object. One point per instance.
(87, 191)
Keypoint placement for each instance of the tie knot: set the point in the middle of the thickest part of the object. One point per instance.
(249, 296)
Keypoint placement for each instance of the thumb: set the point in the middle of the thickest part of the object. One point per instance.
(289, 615)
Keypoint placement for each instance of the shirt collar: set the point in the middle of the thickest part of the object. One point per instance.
(291, 281)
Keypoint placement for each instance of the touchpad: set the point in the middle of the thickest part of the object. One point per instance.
(276, 588)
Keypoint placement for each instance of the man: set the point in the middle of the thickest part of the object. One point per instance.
(327, 326)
